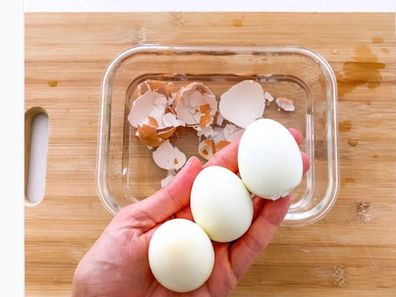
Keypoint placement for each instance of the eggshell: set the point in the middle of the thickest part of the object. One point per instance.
(152, 116)
(268, 97)
(206, 149)
(243, 103)
(168, 179)
(221, 204)
(142, 107)
(181, 256)
(195, 104)
(162, 87)
(269, 159)
(285, 103)
(169, 157)
(231, 132)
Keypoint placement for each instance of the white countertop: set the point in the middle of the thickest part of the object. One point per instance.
(209, 5)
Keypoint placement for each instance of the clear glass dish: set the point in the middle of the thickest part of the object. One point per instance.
(126, 172)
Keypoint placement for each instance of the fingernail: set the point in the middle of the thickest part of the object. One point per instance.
(188, 163)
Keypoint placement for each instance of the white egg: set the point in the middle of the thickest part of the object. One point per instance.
(221, 204)
(269, 159)
(181, 255)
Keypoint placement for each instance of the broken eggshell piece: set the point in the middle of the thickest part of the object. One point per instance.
(168, 157)
(206, 148)
(153, 118)
(243, 103)
(268, 98)
(195, 104)
(285, 103)
(208, 132)
(232, 132)
(167, 180)
(143, 106)
(148, 136)
(219, 119)
(226, 135)
(161, 87)
(217, 139)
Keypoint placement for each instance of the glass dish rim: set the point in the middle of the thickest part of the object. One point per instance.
(307, 217)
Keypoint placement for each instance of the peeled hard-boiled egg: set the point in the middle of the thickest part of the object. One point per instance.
(269, 159)
(181, 255)
(221, 204)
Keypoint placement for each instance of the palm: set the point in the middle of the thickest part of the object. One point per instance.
(117, 264)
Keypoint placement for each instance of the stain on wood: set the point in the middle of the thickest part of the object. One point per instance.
(377, 39)
(347, 180)
(363, 212)
(237, 22)
(345, 126)
(363, 70)
(353, 142)
(339, 277)
(52, 83)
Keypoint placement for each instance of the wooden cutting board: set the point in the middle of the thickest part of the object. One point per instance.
(352, 252)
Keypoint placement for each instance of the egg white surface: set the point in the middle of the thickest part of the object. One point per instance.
(181, 255)
(269, 159)
(221, 204)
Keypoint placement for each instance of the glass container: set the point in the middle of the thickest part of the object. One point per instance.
(126, 172)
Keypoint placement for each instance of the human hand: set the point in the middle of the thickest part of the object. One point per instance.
(117, 264)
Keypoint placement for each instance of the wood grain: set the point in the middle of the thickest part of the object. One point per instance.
(352, 252)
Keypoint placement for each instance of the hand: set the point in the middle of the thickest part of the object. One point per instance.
(117, 264)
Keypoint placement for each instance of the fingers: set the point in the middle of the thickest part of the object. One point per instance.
(185, 213)
(306, 162)
(226, 157)
(274, 211)
(267, 216)
(258, 204)
(167, 201)
(297, 135)
(175, 197)
(245, 250)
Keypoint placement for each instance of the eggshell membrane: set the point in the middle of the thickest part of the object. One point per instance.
(269, 159)
(221, 204)
(181, 255)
